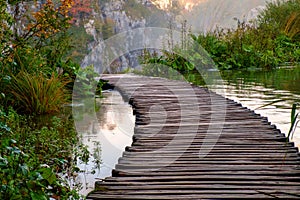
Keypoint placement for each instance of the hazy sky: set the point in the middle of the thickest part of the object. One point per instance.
(206, 14)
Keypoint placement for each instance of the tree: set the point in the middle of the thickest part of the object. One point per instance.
(80, 10)
(31, 34)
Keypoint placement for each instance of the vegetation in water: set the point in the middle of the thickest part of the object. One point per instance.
(34, 93)
(271, 40)
(294, 120)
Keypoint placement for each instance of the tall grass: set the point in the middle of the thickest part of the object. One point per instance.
(278, 12)
(292, 27)
(36, 93)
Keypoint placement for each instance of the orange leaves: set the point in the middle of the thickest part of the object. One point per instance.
(66, 6)
(80, 9)
(50, 19)
(67, 3)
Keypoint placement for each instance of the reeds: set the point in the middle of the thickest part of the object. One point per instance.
(292, 27)
(37, 94)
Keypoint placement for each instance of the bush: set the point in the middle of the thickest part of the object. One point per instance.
(32, 161)
(32, 55)
(277, 14)
(37, 94)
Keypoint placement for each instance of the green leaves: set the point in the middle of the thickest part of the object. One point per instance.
(86, 84)
(48, 175)
(34, 70)
(24, 169)
(4, 127)
(38, 46)
(31, 159)
(172, 60)
(37, 196)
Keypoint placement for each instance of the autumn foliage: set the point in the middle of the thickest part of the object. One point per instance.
(50, 19)
(80, 10)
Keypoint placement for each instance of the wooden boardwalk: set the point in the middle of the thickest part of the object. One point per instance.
(186, 147)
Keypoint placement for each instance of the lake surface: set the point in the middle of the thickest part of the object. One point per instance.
(107, 138)
(257, 88)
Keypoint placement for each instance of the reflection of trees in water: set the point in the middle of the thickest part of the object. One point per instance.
(113, 112)
(104, 138)
(115, 116)
(279, 79)
(101, 114)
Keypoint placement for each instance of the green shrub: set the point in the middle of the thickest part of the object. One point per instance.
(33, 161)
(36, 93)
(278, 13)
(86, 83)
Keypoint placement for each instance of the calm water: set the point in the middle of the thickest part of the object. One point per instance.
(257, 88)
(110, 134)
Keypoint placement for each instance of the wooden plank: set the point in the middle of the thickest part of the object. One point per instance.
(264, 186)
(203, 179)
(126, 195)
(257, 174)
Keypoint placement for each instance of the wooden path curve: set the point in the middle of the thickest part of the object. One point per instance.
(186, 147)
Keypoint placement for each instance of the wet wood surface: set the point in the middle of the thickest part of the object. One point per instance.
(190, 143)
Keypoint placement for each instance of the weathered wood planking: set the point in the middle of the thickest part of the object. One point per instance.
(173, 156)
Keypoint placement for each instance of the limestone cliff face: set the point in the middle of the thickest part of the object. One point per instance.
(112, 14)
(202, 15)
(123, 16)
(115, 10)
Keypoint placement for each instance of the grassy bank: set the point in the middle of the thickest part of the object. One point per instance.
(272, 40)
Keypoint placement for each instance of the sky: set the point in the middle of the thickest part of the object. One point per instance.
(205, 15)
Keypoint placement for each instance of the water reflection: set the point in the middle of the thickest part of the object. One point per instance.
(257, 88)
(106, 137)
